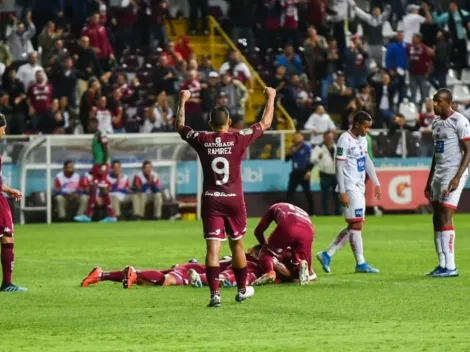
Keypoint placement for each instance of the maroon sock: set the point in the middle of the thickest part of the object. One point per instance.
(266, 263)
(240, 276)
(109, 207)
(154, 276)
(8, 260)
(91, 204)
(212, 273)
(116, 276)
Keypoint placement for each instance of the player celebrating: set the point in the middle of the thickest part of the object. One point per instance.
(352, 164)
(294, 230)
(99, 173)
(223, 204)
(447, 178)
(6, 227)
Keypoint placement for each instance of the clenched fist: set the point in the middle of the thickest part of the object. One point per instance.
(185, 95)
(269, 93)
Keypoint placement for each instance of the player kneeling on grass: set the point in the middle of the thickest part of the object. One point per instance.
(129, 276)
(294, 230)
(352, 163)
(6, 227)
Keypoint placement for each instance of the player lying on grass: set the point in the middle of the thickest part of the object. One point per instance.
(352, 164)
(177, 275)
(294, 230)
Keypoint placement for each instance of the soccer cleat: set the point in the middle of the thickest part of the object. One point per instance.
(215, 301)
(93, 277)
(304, 277)
(249, 292)
(226, 283)
(366, 268)
(12, 288)
(437, 270)
(193, 261)
(447, 273)
(109, 219)
(130, 277)
(325, 261)
(267, 278)
(82, 218)
(194, 278)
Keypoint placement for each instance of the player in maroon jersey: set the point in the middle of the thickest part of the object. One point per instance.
(294, 230)
(223, 204)
(6, 227)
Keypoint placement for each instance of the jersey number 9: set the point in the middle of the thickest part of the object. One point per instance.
(224, 170)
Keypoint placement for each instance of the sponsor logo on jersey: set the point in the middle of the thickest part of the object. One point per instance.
(246, 131)
(359, 213)
(219, 194)
(339, 151)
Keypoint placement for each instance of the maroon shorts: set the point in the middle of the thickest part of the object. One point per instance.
(216, 226)
(6, 219)
(99, 176)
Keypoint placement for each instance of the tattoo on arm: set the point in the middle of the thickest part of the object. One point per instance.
(180, 118)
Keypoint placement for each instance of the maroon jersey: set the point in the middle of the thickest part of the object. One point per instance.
(40, 96)
(221, 156)
(6, 219)
(420, 60)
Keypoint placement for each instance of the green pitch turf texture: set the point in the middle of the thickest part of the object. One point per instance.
(398, 309)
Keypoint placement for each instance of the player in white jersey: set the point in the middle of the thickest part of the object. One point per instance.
(352, 164)
(447, 177)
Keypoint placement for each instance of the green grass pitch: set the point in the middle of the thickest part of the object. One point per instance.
(398, 309)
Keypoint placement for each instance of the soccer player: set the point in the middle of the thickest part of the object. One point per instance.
(447, 178)
(6, 227)
(294, 230)
(99, 172)
(223, 204)
(352, 164)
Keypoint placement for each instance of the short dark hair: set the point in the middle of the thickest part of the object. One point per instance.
(67, 162)
(114, 162)
(400, 115)
(219, 116)
(446, 94)
(145, 163)
(362, 117)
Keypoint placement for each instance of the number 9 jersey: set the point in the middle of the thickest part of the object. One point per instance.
(221, 156)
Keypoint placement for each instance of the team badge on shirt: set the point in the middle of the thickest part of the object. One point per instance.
(339, 151)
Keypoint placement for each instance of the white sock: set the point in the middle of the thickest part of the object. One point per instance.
(448, 246)
(440, 253)
(338, 242)
(355, 239)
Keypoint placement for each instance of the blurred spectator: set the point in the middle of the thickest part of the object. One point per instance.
(420, 67)
(383, 98)
(87, 65)
(269, 17)
(296, 100)
(315, 53)
(238, 69)
(88, 101)
(397, 12)
(181, 72)
(69, 115)
(339, 94)
(279, 80)
(441, 62)
(5, 108)
(242, 16)
(119, 188)
(160, 116)
(62, 22)
(127, 19)
(23, 7)
(64, 80)
(319, 123)
(343, 11)
(355, 63)
(194, 117)
(210, 93)
(27, 72)
(396, 132)
(39, 101)
(396, 63)
(67, 188)
(58, 53)
(290, 60)
(375, 22)
(99, 41)
(159, 14)
(117, 111)
(128, 91)
(164, 77)
(205, 68)
(198, 10)
(147, 187)
(324, 157)
(47, 39)
(103, 115)
(458, 22)
(413, 20)
(290, 21)
(317, 15)
(55, 119)
(19, 40)
(5, 54)
(333, 65)
(173, 56)
(18, 102)
(427, 116)
(237, 97)
(183, 47)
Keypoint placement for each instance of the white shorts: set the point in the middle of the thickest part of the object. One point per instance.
(440, 184)
(356, 211)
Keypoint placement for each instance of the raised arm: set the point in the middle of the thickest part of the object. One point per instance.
(268, 114)
(185, 95)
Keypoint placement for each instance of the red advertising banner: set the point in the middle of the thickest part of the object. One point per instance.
(402, 188)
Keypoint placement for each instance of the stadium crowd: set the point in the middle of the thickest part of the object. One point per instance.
(63, 64)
